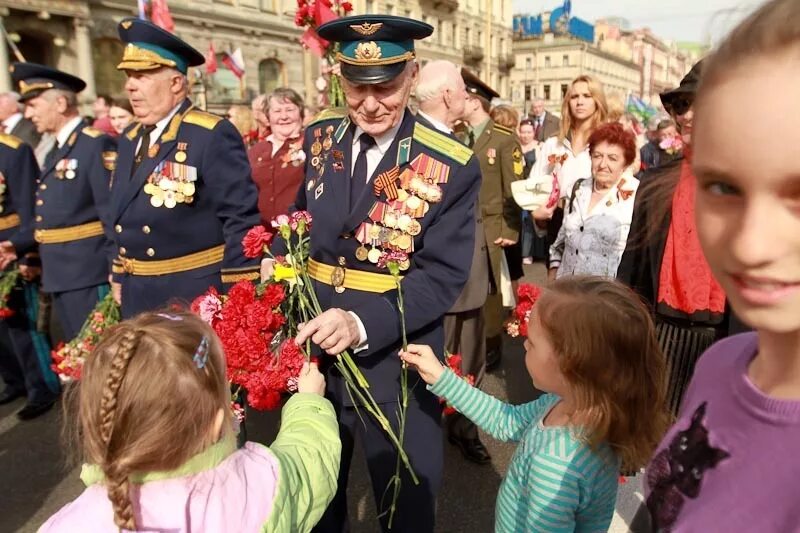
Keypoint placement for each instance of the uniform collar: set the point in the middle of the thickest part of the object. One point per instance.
(161, 125)
(11, 122)
(66, 129)
(438, 124)
(383, 142)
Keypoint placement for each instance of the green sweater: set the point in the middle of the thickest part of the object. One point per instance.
(555, 482)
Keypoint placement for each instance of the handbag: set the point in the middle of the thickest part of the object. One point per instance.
(535, 192)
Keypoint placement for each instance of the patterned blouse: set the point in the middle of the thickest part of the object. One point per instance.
(592, 242)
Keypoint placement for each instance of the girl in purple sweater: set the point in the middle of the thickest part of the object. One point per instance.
(731, 462)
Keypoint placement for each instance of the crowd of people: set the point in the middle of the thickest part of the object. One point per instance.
(659, 245)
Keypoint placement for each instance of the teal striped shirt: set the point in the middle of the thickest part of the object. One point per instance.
(555, 482)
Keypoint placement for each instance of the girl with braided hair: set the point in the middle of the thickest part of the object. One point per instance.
(154, 420)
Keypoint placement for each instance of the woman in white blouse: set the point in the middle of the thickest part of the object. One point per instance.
(597, 214)
(567, 154)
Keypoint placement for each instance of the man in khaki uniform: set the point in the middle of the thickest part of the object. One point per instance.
(500, 156)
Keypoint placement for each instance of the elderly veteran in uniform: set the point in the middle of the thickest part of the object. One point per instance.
(442, 95)
(379, 180)
(72, 216)
(498, 150)
(24, 352)
(182, 197)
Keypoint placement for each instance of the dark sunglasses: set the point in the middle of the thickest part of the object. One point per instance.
(680, 105)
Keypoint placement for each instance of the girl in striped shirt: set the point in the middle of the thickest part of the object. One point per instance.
(592, 350)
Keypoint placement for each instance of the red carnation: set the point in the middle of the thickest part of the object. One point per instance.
(256, 241)
(347, 7)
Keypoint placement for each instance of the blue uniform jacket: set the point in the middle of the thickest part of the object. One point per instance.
(18, 174)
(73, 190)
(442, 256)
(207, 151)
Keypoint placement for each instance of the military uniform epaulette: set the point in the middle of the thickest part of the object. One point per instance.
(92, 132)
(10, 140)
(442, 144)
(202, 119)
(328, 114)
(503, 129)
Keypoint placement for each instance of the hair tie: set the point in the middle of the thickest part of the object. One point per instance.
(201, 353)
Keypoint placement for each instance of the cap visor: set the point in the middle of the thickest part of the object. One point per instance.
(372, 75)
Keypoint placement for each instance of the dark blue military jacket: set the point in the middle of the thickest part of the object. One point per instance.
(441, 257)
(18, 174)
(192, 193)
(73, 191)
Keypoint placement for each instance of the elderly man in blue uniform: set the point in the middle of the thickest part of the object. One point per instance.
(24, 352)
(377, 180)
(72, 198)
(182, 197)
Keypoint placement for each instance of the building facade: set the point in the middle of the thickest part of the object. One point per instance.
(545, 65)
(80, 36)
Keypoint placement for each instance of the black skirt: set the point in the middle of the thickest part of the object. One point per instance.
(682, 346)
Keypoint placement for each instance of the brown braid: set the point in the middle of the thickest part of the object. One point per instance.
(116, 477)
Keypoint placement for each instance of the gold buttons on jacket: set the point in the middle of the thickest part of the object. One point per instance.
(122, 250)
(38, 218)
(118, 228)
(342, 261)
(43, 186)
(150, 252)
(40, 202)
(146, 230)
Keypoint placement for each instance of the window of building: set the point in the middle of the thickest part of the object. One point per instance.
(547, 92)
(223, 85)
(565, 60)
(480, 38)
(270, 75)
(390, 9)
(440, 37)
(468, 36)
(563, 90)
(105, 56)
(528, 62)
(408, 13)
(546, 61)
(527, 93)
(370, 6)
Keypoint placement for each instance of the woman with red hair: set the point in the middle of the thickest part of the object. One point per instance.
(597, 215)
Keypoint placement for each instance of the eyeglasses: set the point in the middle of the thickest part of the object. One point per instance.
(681, 105)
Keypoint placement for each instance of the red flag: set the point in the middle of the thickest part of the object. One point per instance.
(211, 59)
(323, 13)
(159, 14)
(235, 62)
(315, 44)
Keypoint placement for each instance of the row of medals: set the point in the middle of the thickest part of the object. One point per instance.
(169, 192)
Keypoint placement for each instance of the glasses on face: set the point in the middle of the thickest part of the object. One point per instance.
(681, 105)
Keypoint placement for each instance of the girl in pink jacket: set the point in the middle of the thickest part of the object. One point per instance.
(153, 407)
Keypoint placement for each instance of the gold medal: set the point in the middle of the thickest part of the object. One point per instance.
(390, 219)
(413, 203)
(156, 201)
(374, 231)
(189, 199)
(405, 265)
(152, 151)
(188, 189)
(402, 195)
(362, 253)
(414, 228)
(180, 157)
(404, 222)
(148, 188)
(316, 148)
(70, 174)
(425, 208)
(169, 202)
(163, 184)
(404, 242)
(374, 255)
(327, 143)
(180, 197)
(434, 194)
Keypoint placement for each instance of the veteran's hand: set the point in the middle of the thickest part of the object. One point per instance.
(424, 360)
(267, 267)
(543, 213)
(334, 331)
(29, 273)
(116, 290)
(311, 380)
(7, 254)
(503, 243)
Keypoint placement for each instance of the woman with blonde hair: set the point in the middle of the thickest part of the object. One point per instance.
(242, 118)
(567, 154)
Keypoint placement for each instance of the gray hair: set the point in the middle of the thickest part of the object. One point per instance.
(285, 93)
(434, 78)
(70, 97)
(14, 97)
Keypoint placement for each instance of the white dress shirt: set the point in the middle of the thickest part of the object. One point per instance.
(439, 125)
(161, 125)
(11, 122)
(63, 134)
(375, 153)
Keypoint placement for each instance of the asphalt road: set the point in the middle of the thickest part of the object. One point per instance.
(36, 481)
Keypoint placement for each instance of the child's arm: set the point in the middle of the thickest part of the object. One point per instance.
(309, 450)
(503, 421)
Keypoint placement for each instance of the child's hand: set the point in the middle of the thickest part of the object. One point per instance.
(423, 359)
(311, 380)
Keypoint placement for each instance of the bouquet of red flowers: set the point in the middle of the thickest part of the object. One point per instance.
(250, 322)
(527, 294)
(453, 362)
(8, 281)
(311, 14)
(68, 358)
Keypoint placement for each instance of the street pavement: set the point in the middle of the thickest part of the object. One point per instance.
(36, 480)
